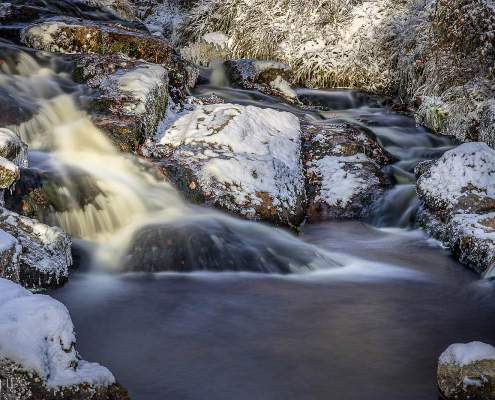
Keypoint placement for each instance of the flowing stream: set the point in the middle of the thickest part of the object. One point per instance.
(370, 307)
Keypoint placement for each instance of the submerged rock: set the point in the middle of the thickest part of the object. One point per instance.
(220, 244)
(467, 372)
(130, 97)
(43, 253)
(38, 359)
(343, 175)
(458, 196)
(245, 160)
(269, 77)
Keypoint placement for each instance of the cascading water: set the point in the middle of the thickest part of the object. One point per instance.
(128, 200)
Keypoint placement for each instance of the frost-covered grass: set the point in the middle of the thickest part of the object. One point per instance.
(436, 54)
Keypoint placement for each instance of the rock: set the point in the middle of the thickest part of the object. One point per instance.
(218, 243)
(13, 110)
(130, 97)
(463, 179)
(266, 76)
(44, 252)
(242, 159)
(9, 173)
(467, 372)
(121, 8)
(75, 35)
(471, 237)
(13, 148)
(343, 175)
(39, 194)
(458, 196)
(38, 359)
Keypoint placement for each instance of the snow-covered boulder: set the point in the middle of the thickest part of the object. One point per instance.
(269, 77)
(343, 170)
(242, 159)
(458, 196)
(43, 254)
(463, 179)
(467, 372)
(130, 97)
(38, 359)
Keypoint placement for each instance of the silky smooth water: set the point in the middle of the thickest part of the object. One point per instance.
(367, 320)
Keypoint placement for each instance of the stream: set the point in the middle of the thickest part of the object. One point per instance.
(365, 315)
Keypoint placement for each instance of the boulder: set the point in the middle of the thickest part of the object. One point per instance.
(462, 180)
(343, 170)
(43, 253)
(220, 243)
(268, 77)
(467, 372)
(458, 199)
(38, 359)
(245, 160)
(121, 8)
(129, 97)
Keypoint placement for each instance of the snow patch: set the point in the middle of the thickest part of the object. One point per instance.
(464, 354)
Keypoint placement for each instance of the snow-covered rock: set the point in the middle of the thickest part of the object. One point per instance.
(463, 179)
(73, 35)
(13, 148)
(467, 371)
(121, 8)
(242, 159)
(130, 97)
(343, 174)
(458, 196)
(43, 254)
(38, 359)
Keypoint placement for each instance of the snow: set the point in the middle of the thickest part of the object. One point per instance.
(42, 36)
(338, 186)
(9, 173)
(462, 354)
(140, 83)
(243, 151)
(470, 166)
(217, 38)
(37, 333)
(6, 241)
(283, 87)
(475, 225)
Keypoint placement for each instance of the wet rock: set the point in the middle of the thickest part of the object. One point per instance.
(13, 110)
(266, 76)
(40, 194)
(242, 159)
(44, 253)
(220, 244)
(129, 98)
(458, 196)
(343, 170)
(467, 372)
(38, 359)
